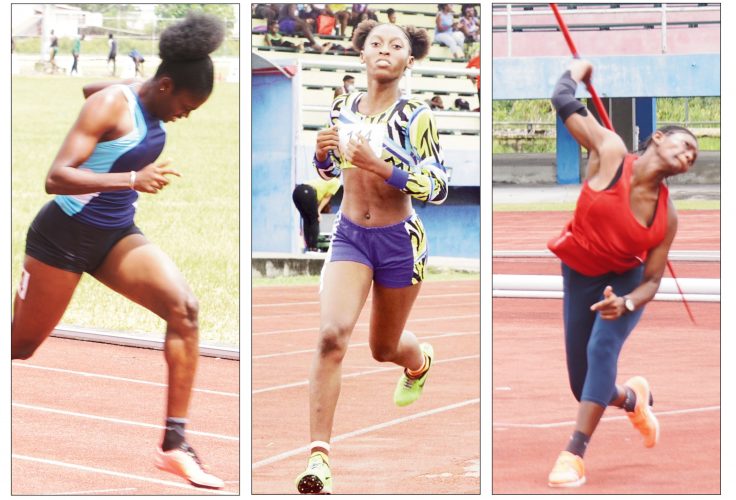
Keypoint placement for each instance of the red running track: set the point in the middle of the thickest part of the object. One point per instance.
(697, 229)
(87, 418)
(534, 411)
(432, 446)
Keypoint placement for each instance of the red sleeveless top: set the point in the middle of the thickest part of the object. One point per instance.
(603, 235)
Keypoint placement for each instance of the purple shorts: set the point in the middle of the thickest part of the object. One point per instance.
(397, 253)
(287, 26)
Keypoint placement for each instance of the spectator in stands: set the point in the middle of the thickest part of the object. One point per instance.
(269, 12)
(447, 31)
(387, 151)
(310, 12)
(348, 85)
(462, 105)
(470, 24)
(436, 103)
(113, 53)
(311, 199)
(475, 63)
(138, 60)
(341, 14)
(391, 14)
(273, 38)
(291, 24)
(359, 13)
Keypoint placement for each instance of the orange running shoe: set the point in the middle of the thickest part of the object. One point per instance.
(642, 417)
(184, 462)
(568, 472)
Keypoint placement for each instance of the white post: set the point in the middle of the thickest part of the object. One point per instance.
(508, 29)
(45, 31)
(664, 28)
(407, 82)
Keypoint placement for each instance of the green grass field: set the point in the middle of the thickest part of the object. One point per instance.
(195, 219)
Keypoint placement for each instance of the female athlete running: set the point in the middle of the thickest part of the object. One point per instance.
(108, 156)
(386, 147)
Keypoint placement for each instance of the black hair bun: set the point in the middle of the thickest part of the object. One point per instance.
(195, 37)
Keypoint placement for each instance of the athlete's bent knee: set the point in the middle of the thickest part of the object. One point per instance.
(383, 353)
(183, 314)
(577, 392)
(24, 350)
(333, 341)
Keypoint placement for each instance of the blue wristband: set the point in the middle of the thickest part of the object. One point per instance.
(398, 178)
(322, 165)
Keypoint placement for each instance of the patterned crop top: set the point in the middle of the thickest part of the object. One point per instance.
(404, 135)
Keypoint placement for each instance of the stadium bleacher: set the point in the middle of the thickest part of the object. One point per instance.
(459, 129)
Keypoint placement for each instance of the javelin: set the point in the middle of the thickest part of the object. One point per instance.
(596, 100)
(604, 117)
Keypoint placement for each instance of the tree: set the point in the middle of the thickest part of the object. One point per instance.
(109, 9)
(178, 10)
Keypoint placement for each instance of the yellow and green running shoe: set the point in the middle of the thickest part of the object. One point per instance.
(317, 478)
(408, 389)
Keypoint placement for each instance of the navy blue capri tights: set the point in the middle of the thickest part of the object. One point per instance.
(593, 344)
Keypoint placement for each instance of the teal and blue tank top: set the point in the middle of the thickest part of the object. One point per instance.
(133, 151)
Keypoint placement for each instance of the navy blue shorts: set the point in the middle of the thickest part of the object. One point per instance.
(60, 241)
(397, 254)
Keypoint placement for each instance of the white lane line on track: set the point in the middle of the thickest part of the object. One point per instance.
(316, 302)
(91, 492)
(107, 472)
(360, 344)
(362, 325)
(117, 420)
(364, 430)
(118, 379)
(604, 419)
(314, 312)
(358, 374)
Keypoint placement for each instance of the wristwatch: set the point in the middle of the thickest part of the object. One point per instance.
(629, 305)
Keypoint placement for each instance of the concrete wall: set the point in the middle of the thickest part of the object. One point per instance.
(453, 228)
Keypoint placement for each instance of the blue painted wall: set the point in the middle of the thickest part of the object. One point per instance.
(619, 76)
(453, 228)
(272, 174)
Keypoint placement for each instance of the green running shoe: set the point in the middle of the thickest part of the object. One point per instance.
(317, 478)
(408, 389)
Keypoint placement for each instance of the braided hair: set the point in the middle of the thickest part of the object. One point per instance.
(667, 130)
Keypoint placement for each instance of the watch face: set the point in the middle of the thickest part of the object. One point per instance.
(629, 304)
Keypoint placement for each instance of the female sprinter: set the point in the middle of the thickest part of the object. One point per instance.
(107, 157)
(613, 256)
(387, 148)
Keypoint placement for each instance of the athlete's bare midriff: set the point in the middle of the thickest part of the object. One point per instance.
(369, 201)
